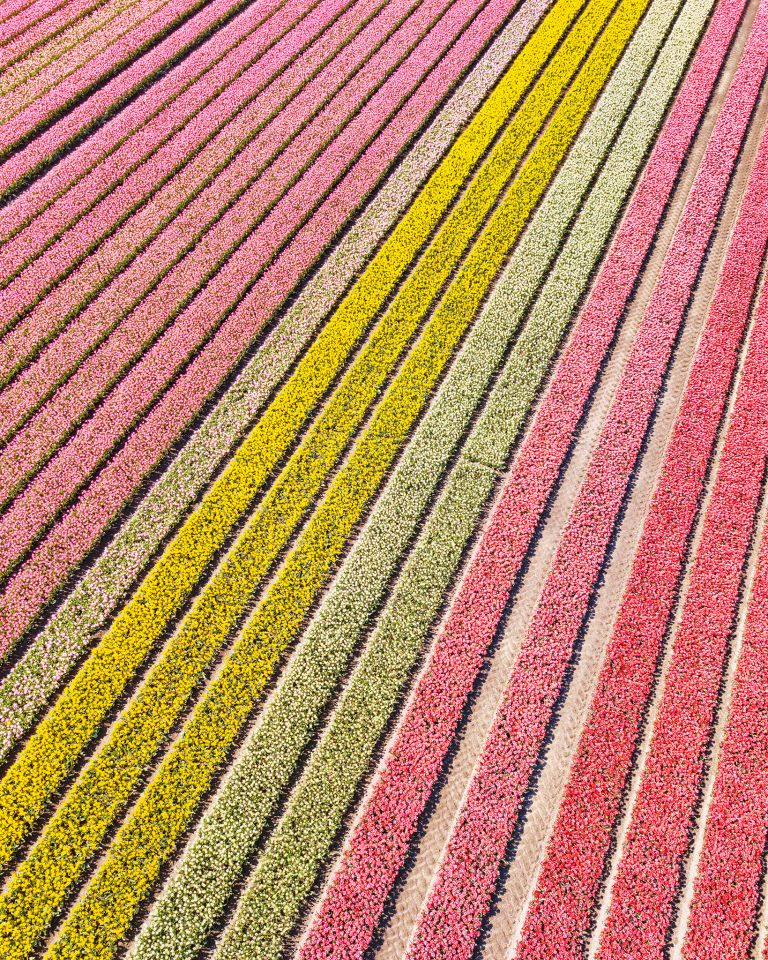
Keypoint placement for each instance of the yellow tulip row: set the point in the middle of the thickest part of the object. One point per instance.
(78, 826)
(57, 743)
(162, 813)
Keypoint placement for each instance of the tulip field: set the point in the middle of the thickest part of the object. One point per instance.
(383, 448)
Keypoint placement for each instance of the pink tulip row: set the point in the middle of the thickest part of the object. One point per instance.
(47, 66)
(86, 521)
(468, 873)
(45, 105)
(647, 882)
(180, 276)
(50, 143)
(97, 596)
(151, 156)
(32, 27)
(159, 261)
(160, 364)
(723, 916)
(591, 804)
(380, 842)
(19, 15)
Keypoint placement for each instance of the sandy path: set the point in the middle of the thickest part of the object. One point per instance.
(504, 925)
(698, 309)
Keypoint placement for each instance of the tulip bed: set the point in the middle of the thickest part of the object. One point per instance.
(81, 526)
(304, 307)
(639, 632)
(210, 620)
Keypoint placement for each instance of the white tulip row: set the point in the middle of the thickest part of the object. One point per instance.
(194, 898)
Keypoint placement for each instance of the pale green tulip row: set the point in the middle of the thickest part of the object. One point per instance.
(297, 850)
(36, 678)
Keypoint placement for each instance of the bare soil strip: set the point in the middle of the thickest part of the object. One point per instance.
(521, 878)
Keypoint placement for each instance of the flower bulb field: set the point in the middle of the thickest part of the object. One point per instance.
(383, 466)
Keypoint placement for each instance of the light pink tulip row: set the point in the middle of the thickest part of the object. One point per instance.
(158, 367)
(378, 846)
(723, 916)
(604, 757)
(51, 142)
(647, 883)
(26, 13)
(184, 116)
(451, 918)
(83, 524)
(151, 156)
(46, 69)
(159, 262)
(49, 104)
(32, 27)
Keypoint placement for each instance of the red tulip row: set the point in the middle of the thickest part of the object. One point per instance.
(46, 105)
(85, 522)
(723, 916)
(52, 142)
(647, 883)
(218, 110)
(468, 874)
(592, 801)
(355, 899)
(181, 260)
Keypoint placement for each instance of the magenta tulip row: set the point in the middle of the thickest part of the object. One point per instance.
(151, 156)
(26, 31)
(47, 104)
(21, 15)
(86, 521)
(591, 805)
(379, 843)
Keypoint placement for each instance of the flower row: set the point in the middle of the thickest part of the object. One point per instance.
(29, 29)
(183, 917)
(72, 48)
(151, 832)
(200, 29)
(294, 854)
(56, 88)
(219, 115)
(604, 758)
(74, 535)
(94, 600)
(184, 561)
(151, 713)
(380, 842)
(647, 881)
(723, 914)
(170, 272)
(468, 873)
